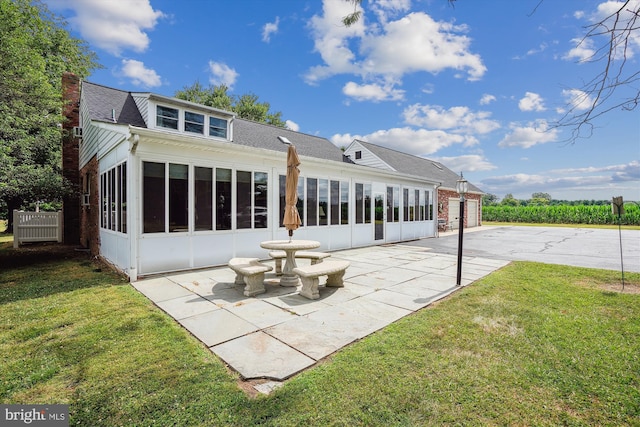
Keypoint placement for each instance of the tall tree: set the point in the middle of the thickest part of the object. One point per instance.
(246, 106)
(35, 49)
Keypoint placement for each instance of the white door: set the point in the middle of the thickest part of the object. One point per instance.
(472, 214)
(454, 212)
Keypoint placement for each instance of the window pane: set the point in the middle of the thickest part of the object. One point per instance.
(178, 198)
(367, 204)
(118, 196)
(243, 194)
(193, 122)
(112, 199)
(312, 201)
(260, 184)
(396, 204)
(223, 199)
(416, 203)
(405, 203)
(123, 197)
(359, 203)
(282, 190)
(300, 204)
(203, 198)
(390, 204)
(323, 202)
(344, 202)
(217, 127)
(153, 197)
(167, 117)
(103, 196)
(335, 202)
(427, 203)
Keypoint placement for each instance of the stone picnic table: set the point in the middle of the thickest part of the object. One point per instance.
(290, 247)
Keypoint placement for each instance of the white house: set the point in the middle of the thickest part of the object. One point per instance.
(170, 185)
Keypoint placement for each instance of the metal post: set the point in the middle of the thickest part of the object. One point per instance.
(460, 229)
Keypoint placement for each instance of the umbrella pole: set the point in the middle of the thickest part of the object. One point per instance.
(290, 235)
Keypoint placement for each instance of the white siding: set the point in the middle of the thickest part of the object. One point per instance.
(367, 159)
(142, 102)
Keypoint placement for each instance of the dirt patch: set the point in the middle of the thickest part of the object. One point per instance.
(629, 288)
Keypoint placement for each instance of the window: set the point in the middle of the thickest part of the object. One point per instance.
(323, 202)
(344, 202)
(153, 191)
(300, 204)
(217, 127)
(252, 198)
(223, 199)
(358, 155)
(393, 204)
(335, 202)
(113, 191)
(167, 117)
(359, 203)
(282, 190)
(178, 198)
(312, 201)
(405, 203)
(429, 207)
(203, 198)
(367, 204)
(193, 122)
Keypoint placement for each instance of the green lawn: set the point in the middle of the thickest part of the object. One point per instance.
(531, 344)
(535, 224)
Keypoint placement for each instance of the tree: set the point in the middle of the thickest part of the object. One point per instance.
(245, 106)
(620, 30)
(509, 200)
(540, 199)
(489, 199)
(35, 49)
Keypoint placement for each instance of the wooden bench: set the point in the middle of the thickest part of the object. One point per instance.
(249, 272)
(309, 275)
(443, 225)
(315, 257)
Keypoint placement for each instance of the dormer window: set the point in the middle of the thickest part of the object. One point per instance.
(193, 122)
(217, 127)
(167, 117)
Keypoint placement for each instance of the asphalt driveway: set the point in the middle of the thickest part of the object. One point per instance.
(582, 247)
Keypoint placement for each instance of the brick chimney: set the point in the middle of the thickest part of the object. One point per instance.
(70, 157)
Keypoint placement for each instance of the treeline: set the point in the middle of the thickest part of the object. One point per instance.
(601, 214)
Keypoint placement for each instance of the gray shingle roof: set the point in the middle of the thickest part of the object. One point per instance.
(102, 100)
(418, 166)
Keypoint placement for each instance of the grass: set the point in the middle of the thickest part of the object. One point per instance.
(531, 344)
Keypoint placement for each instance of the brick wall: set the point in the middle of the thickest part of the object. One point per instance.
(70, 159)
(90, 214)
(443, 204)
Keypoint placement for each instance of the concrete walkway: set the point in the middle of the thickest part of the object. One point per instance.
(279, 333)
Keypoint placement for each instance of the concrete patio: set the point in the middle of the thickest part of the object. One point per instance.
(280, 333)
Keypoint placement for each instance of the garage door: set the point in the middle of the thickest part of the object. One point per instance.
(454, 212)
(472, 214)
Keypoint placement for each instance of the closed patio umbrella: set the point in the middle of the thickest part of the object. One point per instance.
(291, 216)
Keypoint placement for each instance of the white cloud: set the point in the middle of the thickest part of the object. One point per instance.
(270, 28)
(372, 92)
(459, 119)
(577, 99)
(467, 163)
(418, 142)
(527, 136)
(222, 74)
(139, 74)
(113, 25)
(487, 99)
(292, 125)
(531, 102)
(600, 182)
(389, 49)
(583, 50)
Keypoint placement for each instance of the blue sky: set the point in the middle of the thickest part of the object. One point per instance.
(476, 86)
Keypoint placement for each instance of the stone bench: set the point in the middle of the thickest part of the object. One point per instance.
(249, 272)
(315, 257)
(309, 275)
